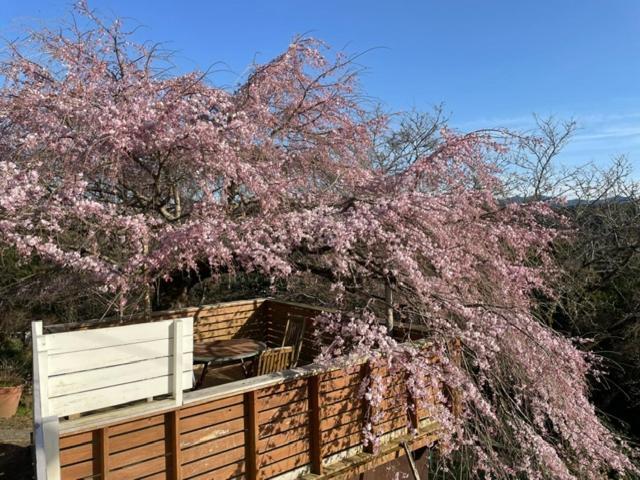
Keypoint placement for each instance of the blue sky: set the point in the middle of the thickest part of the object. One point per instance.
(492, 62)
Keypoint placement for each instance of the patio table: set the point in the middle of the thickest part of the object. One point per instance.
(219, 352)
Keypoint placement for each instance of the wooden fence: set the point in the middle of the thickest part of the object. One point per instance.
(277, 426)
(82, 371)
(302, 422)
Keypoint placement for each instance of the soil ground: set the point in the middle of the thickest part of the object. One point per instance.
(15, 449)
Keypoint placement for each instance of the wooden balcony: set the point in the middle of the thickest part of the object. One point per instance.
(301, 423)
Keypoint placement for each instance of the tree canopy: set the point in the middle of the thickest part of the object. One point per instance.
(128, 176)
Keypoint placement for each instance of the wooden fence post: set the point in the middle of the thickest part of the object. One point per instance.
(46, 428)
(388, 298)
(173, 434)
(414, 418)
(177, 362)
(366, 406)
(251, 433)
(103, 449)
(315, 441)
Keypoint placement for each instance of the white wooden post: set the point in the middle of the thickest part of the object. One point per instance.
(388, 298)
(177, 361)
(51, 434)
(46, 434)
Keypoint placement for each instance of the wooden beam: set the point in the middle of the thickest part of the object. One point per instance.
(251, 434)
(103, 449)
(388, 298)
(173, 435)
(177, 369)
(315, 442)
(412, 412)
(412, 463)
(366, 406)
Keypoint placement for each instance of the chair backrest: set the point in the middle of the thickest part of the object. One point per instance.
(274, 359)
(293, 335)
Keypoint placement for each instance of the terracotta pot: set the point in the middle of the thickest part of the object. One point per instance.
(9, 400)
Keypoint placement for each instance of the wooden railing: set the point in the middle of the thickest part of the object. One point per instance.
(303, 421)
(282, 425)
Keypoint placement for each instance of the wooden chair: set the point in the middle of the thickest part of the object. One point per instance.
(293, 335)
(274, 359)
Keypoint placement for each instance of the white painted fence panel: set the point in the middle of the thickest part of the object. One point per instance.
(81, 371)
(65, 363)
(93, 380)
(98, 338)
(115, 394)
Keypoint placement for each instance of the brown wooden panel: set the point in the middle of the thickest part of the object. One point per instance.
(289, 436)
(283, 411)
(282, 425)
(140, 470)
(213, 462)
(283, 466)
(349, 393)
(280, 388)
(341, 444)
(139, 437)
(79, 453)
(212, 417)
(205, 407)
(283, 452)
(340, 431)
(158, 476)
(79, 471)
(213, 447)
(351, 382)
(337, 420)
(231, 471)
(228, 321)
(138, 454)
(135, 425)
(211, 432)
(342, 407)
(77, 439)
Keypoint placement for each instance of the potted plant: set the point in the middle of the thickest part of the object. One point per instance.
(11, 385)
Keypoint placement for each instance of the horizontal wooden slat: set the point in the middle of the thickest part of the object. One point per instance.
(284, 411)
(105, 377)
(67, 441)
(114, 395)
(341, 444)
(212, 417)
(136, 438)
(132, 426)
(282, 387)
(289, 436)
(211, 432)
(84, 340)
(79, 453)
(230, 472)
(283, 452)
(115, 355)
(283, 466)
(342, 407)
(138, 454)
(213, 462)
(282, 425)
(212, 447)
(140, 470)
(284, 398)
(208, 406)
(78, 471)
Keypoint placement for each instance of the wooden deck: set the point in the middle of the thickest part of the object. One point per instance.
(301, 423)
